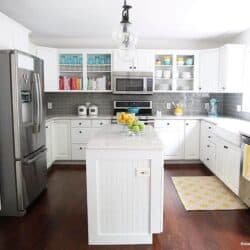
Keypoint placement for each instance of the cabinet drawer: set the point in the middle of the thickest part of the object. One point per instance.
(80, 135)
(169, 123)
(100, 123)
(81, 123)
(79, 151)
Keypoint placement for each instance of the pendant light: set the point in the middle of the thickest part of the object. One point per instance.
(126, 38)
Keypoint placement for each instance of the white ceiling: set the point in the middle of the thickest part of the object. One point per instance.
(152, 19)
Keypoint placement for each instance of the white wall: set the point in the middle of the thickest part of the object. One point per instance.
(242, 38)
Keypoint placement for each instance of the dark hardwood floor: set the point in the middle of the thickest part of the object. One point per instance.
(58, 219)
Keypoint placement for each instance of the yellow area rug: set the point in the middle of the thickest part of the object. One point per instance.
(205, 193)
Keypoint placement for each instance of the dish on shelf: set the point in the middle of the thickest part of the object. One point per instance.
(166, 74)
(189, 61)
(158, 73)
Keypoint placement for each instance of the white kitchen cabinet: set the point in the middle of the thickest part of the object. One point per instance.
(51, 71)
(141, 61)
(49, 143)
(61, 140)
(13, 34)
(192, 139)
(228, 164)
(231, 68)
(171, 133)
(209, 70)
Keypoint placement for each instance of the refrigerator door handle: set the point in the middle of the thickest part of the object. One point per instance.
(33, 159)
(37, 122)
(40, 99)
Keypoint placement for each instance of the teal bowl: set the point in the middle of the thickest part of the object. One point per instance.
(133, 110)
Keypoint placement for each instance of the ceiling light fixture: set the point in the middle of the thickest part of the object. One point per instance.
(126, 38)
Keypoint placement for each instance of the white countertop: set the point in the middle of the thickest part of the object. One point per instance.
(231, 124)
(114, 137)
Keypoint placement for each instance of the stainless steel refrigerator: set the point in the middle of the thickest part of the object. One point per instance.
(23, 171)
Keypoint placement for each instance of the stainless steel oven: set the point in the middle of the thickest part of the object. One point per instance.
(133, 83)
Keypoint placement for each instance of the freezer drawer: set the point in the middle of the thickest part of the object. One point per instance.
(31, 174)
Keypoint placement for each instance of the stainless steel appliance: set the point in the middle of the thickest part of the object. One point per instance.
(144, 114)
(245, 170)
(133, 83)
(23, 172)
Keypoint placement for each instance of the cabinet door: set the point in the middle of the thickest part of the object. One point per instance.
(232, 156)
(49, 143)
(192, 139)
(51, 73)
(203, 142)
(61, 140)
(231, 68)
(121, 63)
(209, 70)
(172, 136)
(144, 61)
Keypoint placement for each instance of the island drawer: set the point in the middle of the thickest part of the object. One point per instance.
(79, 151)
(100, 123)
(168, 123)
(81, 123)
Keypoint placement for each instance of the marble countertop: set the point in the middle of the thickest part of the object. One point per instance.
(114, 137)
(231, 124)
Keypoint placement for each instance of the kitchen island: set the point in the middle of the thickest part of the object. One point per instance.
(124, 186)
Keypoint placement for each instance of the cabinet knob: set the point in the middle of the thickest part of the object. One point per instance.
(134, 67)
(208, 146)
(207, 159)
(200, 88)
(130, 67)
(80, 148)
(209, 127)
(187, 124)
(80, 132)
(101, 123)
(226, 147)
(80, 123)
(209, 137)
(168, 123)
(47, 127)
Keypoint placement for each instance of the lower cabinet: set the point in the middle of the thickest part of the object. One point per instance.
(171, 133)
(61, 140)
(228, 158)
(49, 143)
(180, 137)
(192, 139)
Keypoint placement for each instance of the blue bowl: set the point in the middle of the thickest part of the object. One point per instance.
(133, 110)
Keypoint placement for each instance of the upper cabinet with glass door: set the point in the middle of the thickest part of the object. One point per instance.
(176, 71)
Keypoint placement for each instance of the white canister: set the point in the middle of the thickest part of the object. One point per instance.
(93, 110)
(82, 110)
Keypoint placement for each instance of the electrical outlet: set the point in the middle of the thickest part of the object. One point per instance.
(50, 105)
(207, 106)
(238, 108)
(168, 105)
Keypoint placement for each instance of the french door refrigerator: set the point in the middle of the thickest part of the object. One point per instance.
(23, 171)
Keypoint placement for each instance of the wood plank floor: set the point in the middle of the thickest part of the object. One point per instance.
(58, 219)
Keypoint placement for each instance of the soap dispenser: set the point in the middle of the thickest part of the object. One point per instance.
(213, 111)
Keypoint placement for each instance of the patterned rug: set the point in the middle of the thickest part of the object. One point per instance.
(205, 193)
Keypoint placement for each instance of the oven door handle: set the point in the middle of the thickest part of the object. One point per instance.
(36, 157)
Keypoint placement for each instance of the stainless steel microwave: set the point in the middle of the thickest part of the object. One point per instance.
(133, 83)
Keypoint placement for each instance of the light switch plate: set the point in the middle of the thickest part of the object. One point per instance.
(168, 105)
(238, 108)
(50, 105)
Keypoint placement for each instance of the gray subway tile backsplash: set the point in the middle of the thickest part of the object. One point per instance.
(67, 103)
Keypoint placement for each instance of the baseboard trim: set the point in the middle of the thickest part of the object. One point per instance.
(186, 162)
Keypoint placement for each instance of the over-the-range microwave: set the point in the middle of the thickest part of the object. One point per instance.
(133, 83)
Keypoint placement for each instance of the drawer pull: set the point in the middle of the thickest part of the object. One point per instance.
(80, 123)
(168, 124)
(226, 147)
(80, 148)
(207, 159)
(101, 123)
(80, 132)
(209, 127)
(208, 146)
(209, 137)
